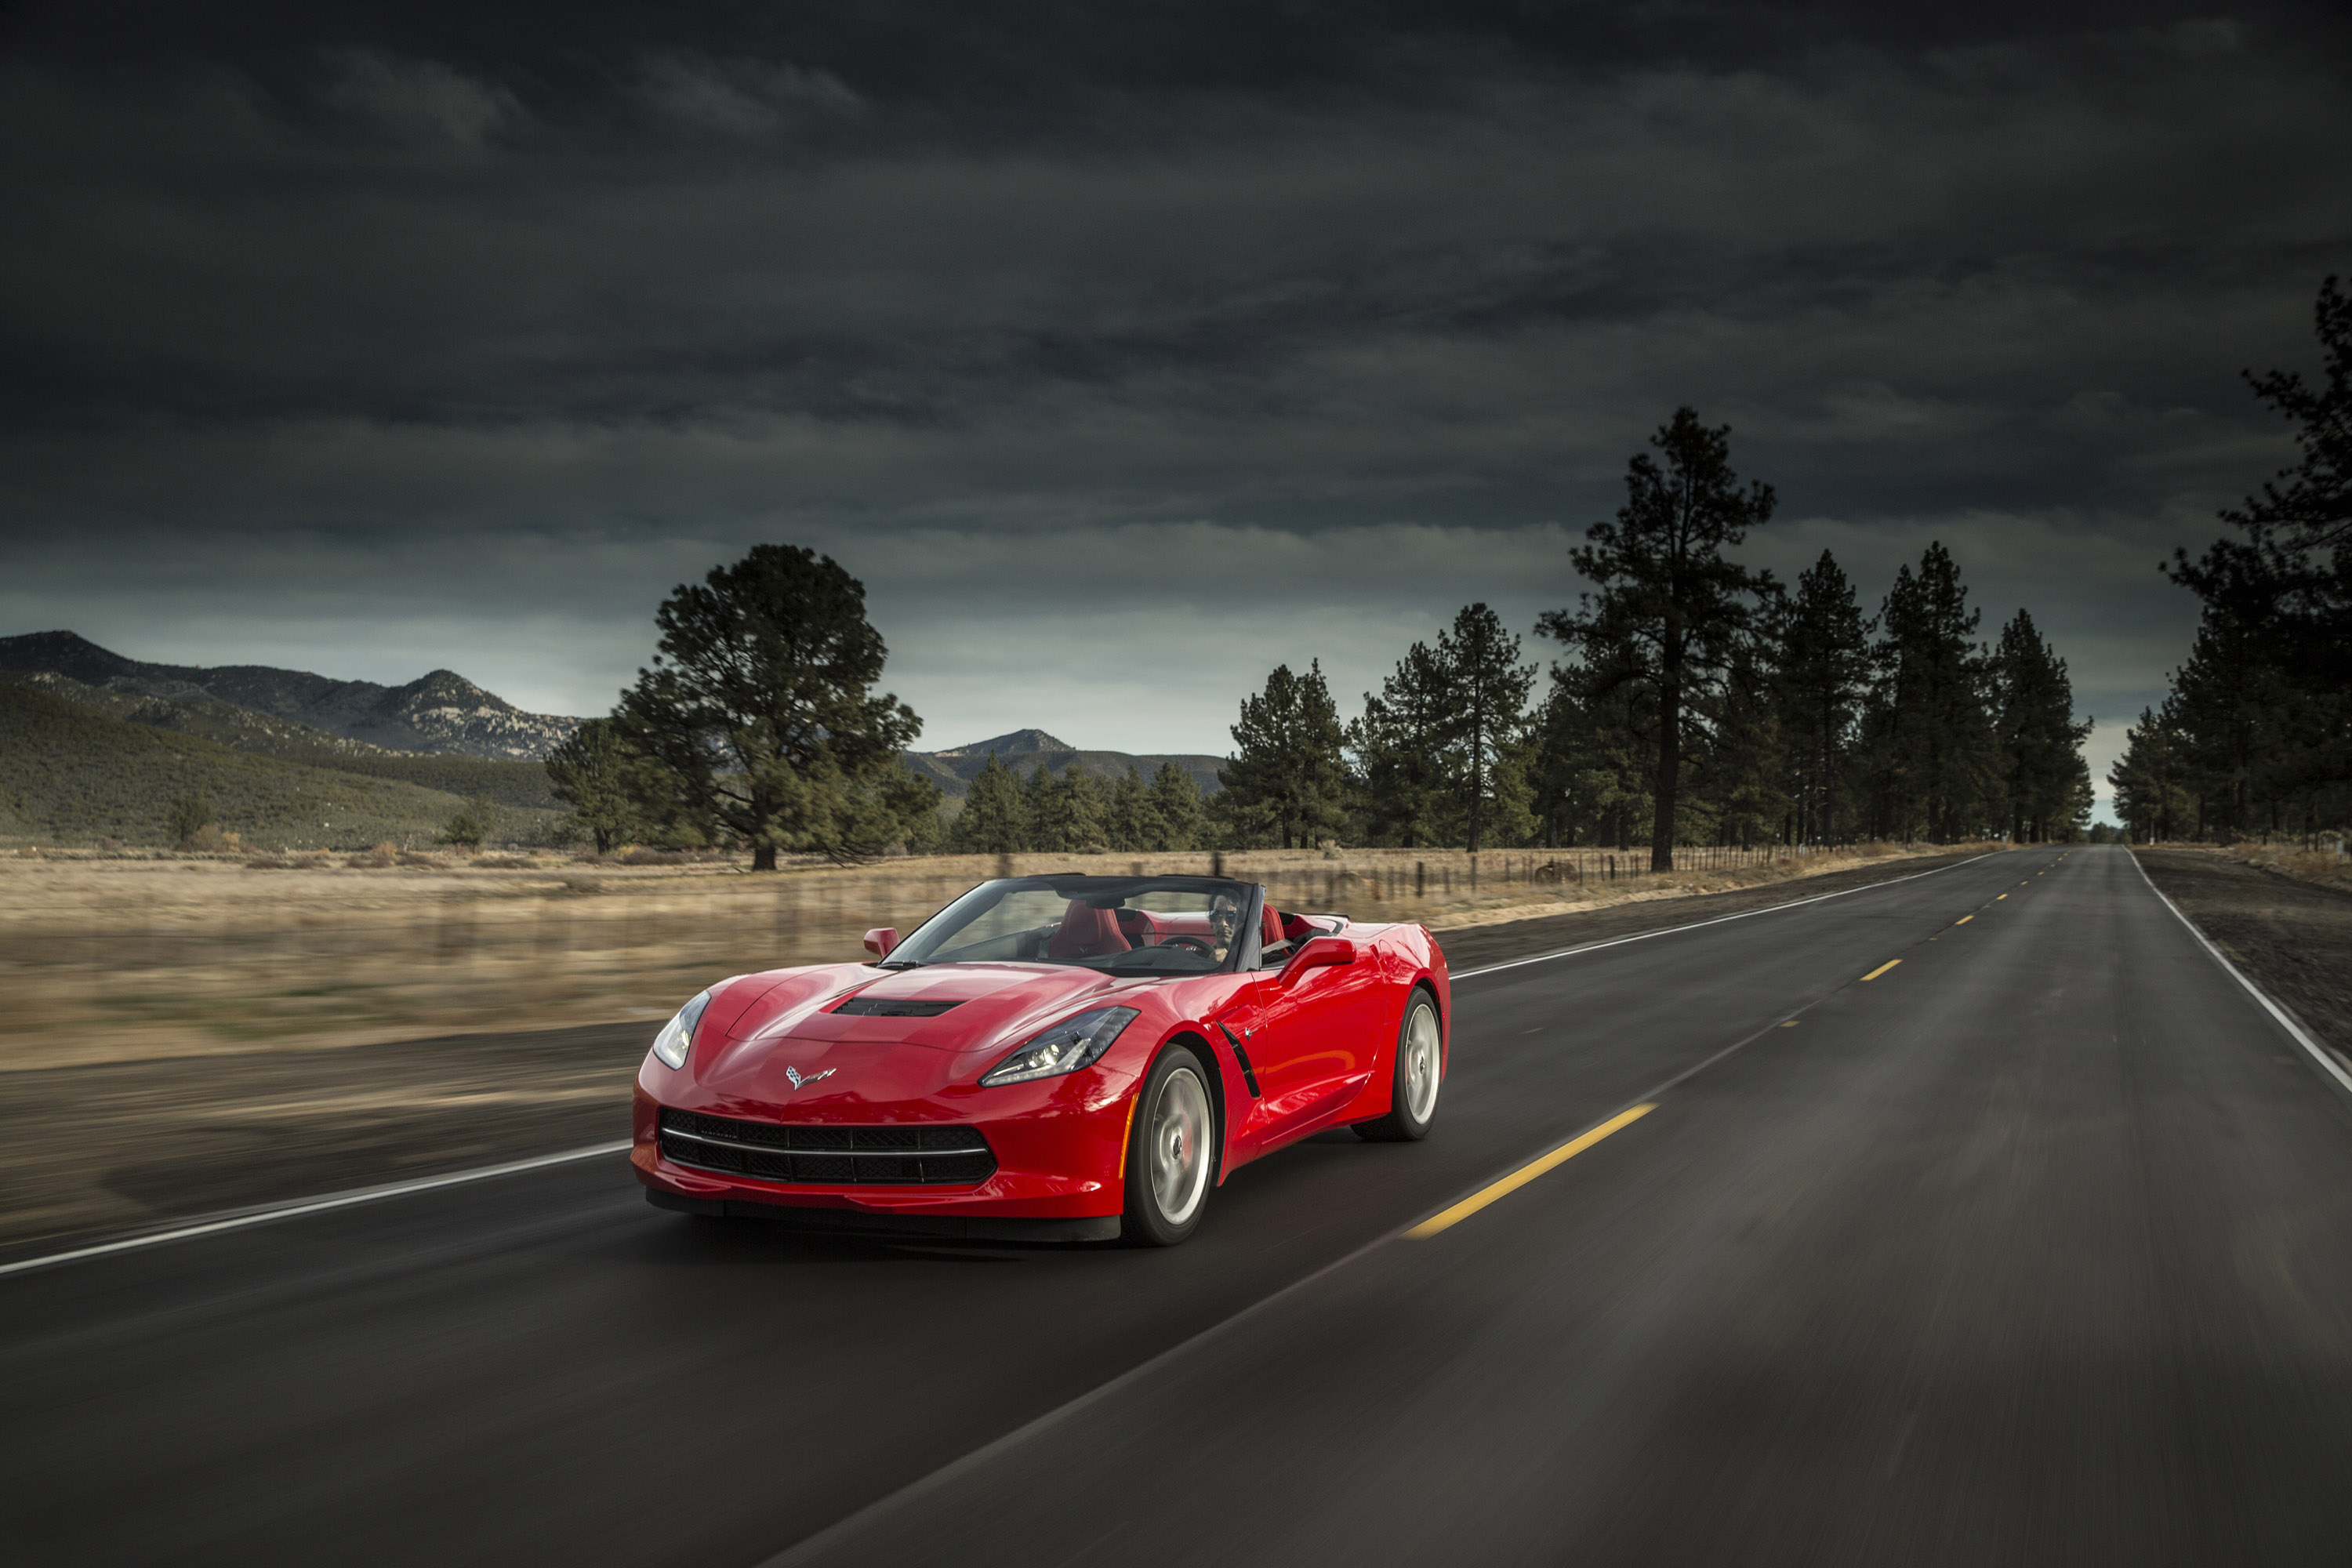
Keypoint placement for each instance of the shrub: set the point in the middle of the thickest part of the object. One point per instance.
(476, 822)
(189, 816)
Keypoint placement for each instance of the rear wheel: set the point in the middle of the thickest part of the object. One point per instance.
(1172, 1151)
(1420, 1068)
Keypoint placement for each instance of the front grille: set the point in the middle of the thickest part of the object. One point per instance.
(838, 1156)
(894, 1007)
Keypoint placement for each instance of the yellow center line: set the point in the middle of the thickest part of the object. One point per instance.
(1964, 920)
(2003, 896)
(1527, 1172)
(1882, 969)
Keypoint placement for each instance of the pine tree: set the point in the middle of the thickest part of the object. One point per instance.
(1589, 776)
(1933, 743)
(1126, 812)
(1398, 743)
(1489, 691)
(1670, 606)
(2151, 780)
(593, 771)
(2041, 741)
(1287, 781)
(1823, 671)
(2262, 713)
(1178, 819)
(993, 820)
(1746, 773)
(1072, 808)
(760, 714)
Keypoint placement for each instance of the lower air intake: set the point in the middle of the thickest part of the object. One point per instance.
(830, 1156)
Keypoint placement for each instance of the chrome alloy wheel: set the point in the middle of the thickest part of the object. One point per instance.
(1179, 1141)
(1424, 1062)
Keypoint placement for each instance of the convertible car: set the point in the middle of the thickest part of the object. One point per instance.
(1054, 1058)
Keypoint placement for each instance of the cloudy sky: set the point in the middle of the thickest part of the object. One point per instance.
(1124, 351)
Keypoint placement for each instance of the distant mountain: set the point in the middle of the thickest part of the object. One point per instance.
(441, 713)
(1026, 751)
(71, 772)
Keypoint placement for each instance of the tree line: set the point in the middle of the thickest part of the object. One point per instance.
(1693, 701)
(2255, 735)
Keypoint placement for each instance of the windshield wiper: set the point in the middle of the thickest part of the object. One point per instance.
(900, 963)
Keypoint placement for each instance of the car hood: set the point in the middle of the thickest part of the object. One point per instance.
(774, 1023)
(968, 1005)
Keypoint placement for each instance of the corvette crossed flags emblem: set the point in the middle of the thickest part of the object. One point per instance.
(799, 1081)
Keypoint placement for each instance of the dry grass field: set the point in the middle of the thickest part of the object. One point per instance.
(118, 958)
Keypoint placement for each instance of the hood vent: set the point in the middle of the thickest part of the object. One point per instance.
(893, 1007)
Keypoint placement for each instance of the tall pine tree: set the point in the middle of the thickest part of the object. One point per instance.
(1287, 782)
(1670, 606)
(1823, 671)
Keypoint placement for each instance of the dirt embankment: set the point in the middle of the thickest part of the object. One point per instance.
(2291, 933)
(102, 1147)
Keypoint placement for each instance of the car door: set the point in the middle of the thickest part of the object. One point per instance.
(1315, 1039)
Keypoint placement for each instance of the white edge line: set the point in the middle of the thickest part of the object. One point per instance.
(314, 1205)
(2285, 1020)
(1694, 925)
(849, 1524)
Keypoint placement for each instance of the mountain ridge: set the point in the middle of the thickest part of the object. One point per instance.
(440, 712)
(362, 726)
(1026, 751)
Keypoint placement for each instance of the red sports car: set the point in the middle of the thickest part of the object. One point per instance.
(1057, 1057)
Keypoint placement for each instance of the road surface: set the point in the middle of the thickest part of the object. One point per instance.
(1980, 1217)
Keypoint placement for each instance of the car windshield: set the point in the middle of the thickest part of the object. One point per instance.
(1121, 925)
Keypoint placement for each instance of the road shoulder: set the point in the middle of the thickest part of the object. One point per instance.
(2291, 937)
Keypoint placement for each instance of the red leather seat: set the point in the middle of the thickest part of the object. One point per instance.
(1087, 932)
(1269, 926)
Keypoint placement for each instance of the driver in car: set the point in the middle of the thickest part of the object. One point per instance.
(1224, 919)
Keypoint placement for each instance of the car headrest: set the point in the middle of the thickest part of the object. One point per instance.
(1269, 926)
(1087, 932)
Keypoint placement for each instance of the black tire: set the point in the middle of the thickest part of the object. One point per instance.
(1404, 1123)
(1172, 1152)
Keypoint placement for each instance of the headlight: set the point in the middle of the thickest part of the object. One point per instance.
(677, 1035)
(1066, 1046)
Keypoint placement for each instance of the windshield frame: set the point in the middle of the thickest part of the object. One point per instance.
(1242, 955)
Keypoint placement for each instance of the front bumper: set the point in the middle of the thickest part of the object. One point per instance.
(1057, 1157)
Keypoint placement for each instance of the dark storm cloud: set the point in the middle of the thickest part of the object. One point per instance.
(1303, 324)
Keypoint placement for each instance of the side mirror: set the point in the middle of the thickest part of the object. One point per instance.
(1321, 952)
(881, 939)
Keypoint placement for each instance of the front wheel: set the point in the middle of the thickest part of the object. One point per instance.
(1420, 1068)
(1172, 1151)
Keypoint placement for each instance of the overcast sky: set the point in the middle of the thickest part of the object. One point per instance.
(1123, 351)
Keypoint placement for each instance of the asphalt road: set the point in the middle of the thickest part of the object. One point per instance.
(2037, 1246)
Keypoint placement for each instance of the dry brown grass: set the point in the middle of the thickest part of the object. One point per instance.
(110, 958)
(2325, 867)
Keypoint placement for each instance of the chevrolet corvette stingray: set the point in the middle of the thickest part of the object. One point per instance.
(1051, 1058)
